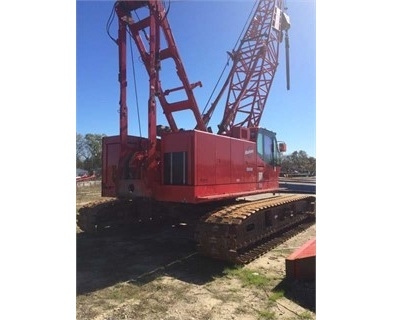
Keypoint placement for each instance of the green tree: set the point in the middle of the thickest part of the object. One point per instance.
(89, 151)
(298, 162)
(80, 150)
(94, 148)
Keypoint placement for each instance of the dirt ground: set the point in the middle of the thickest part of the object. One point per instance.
(156, 273)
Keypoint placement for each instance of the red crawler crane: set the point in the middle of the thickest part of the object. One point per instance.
(173, 166)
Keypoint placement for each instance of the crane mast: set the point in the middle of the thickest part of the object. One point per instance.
(254, 66)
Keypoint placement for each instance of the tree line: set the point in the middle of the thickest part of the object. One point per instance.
(89, 152)
(298, 163)
(89, 157)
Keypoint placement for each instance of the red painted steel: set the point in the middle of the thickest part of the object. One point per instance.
(301, 264)
(254, 66)
(152, 53)
(308, 249)
(207, 167)
(86, 178)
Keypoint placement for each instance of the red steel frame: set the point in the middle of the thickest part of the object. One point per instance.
(157, 25)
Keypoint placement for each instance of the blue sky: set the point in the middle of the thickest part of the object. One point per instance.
(203, 31)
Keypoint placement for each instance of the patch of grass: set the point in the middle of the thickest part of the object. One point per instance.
(267, 314)
(277, 295)
(305, 315)
(248, 277)
(122, 292)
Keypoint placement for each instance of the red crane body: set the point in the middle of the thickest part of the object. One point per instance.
(193, 166)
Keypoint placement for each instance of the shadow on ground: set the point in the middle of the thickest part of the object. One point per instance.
(140, 255)
(302, 293)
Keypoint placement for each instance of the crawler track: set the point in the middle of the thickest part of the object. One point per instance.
(273, 241)
(112, 214)
(237, 232)
(243, 232)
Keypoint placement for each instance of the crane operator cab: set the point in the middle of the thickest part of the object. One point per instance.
(268, 148)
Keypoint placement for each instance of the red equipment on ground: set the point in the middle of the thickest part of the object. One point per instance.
(194, 165)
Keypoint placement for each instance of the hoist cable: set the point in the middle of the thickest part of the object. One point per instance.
(110, 21)
(135, 87)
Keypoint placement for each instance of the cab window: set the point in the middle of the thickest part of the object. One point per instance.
(267, 148)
